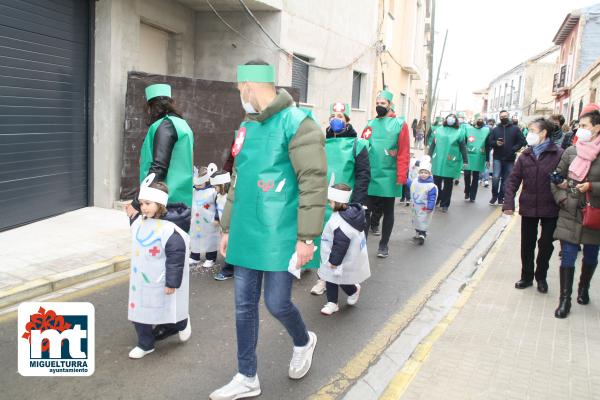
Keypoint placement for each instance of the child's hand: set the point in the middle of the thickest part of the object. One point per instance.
(169, 290)
(332, 266)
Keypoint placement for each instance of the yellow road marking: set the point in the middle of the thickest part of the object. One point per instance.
(346, 376)
(74, 295)
(402, 380)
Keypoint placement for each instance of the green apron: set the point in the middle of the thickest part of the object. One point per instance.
(446, 160)
(340, 163)
(264, 217)
(181, 167)
(382, 134)
(475, 140)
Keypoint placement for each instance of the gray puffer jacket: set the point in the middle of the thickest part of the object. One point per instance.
(571, 202)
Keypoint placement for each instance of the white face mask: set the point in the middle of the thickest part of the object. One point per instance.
(247, 106)
(451, 121)
(533, 139)
(584, 135)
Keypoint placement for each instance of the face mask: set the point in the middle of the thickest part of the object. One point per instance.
(461, 121)
(533, 139)
(336, 125)
(381, 111)
(504, 121)
(247, 106)
(451, 121)
(584, 135)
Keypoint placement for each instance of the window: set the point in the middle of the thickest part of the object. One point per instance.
(300, 76)
(357, 78)
(154, 46)
(400, 110)
(580, 108)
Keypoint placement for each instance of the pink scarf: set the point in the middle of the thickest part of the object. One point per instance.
(586, 153)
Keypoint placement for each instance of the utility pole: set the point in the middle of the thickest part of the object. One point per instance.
(437, 79)
(430, 92)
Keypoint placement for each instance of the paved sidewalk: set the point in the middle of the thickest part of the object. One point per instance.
(60, 251)
(505, 343)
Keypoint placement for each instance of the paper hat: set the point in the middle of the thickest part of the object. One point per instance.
(340, 107)
(220, 179)
(386, 94)
(256, 73)
(210, 170)
(337, 195)
(152, 194)
(425, 164)
(158, 90)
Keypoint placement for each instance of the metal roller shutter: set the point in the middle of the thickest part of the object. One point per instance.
(300, 77)
(44, 70)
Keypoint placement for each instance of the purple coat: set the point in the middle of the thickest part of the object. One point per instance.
(536, 199)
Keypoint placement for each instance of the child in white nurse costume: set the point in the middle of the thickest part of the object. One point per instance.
(159, 279)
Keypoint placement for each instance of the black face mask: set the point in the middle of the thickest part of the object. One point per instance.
(504, 121)
(381, 111)
(480, 124)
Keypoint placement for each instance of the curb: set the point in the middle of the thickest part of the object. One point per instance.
(404, 377)
(38, 287)
(348, 375)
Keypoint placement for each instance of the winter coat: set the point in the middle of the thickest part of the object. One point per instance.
(344, 245)
(362, 166)
(571, 201)
(536, 198)
(513, 142)
(307, 155)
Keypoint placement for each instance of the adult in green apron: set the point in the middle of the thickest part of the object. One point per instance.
(446, 151)
(274, 211)
(389, 155)
(347, 162)
(167, 150)
(476, 141)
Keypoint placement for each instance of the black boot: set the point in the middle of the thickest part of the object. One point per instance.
(587, 271)
(566, 288)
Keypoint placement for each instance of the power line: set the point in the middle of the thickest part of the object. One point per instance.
(262, 28)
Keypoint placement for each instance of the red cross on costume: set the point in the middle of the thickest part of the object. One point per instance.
(239, 142)
(367, 133)
(339, 107)
(154, 251)
(471, 139)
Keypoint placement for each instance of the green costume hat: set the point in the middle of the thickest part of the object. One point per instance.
(386, 94)
(340, 107)
(158, 90)
(256, 73)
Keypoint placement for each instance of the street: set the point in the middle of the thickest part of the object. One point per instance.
(194, 369)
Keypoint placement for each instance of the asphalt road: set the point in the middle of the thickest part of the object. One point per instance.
(194, 369)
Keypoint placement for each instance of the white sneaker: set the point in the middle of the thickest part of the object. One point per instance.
(192, 261)
(185, 334)
(240, 387)
(208, 264)
(352, 300)
(319, 288)
(137, 353)
(302, 358)
(330, 308)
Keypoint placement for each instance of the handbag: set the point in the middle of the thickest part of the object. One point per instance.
(591, 215)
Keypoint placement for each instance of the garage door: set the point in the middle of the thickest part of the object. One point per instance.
(44, 53)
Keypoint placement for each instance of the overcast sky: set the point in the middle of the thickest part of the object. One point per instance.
(489, 37)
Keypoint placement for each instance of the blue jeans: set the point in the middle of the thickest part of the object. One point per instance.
(502, 170)
(278, 299)
(569, 254)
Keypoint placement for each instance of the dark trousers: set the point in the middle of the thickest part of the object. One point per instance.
(529, 235)
(211, 255)
(570, 250)
(332, 291)
(502, 170)
(146, 336)
(471, 184)
(445, 190)
(405, 193)
(386, 205)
